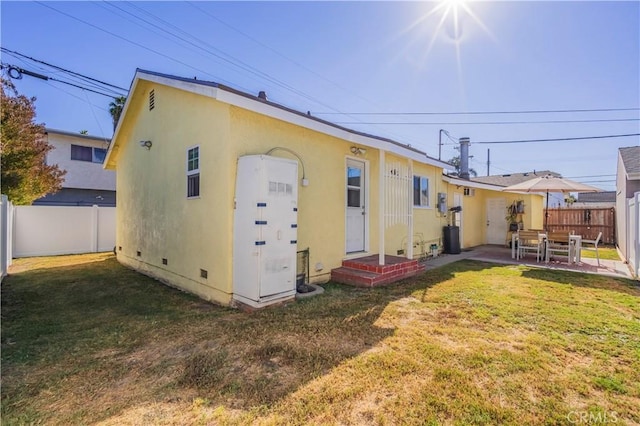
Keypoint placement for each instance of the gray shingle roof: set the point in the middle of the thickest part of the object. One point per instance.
(284, 108)
(631, 159)
(513, 178)
(597, 197)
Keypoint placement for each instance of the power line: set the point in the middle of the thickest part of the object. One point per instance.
(260, 43)
(46, 78)
(561, 139)
(489, 122)
(483, 112)
(210, 49)
(63, 69)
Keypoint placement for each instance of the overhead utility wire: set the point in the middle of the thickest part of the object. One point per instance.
(483, 112)
(47, 78)
(255, 40)
(223, 56)
(63, 69)
(560, 139)
(217, 53)
(72, 95)
(124, 39)
(488, 122)
(70, 74)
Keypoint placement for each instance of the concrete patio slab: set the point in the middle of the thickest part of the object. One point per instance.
(499, 254)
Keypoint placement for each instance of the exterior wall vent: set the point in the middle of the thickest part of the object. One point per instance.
(152, 100)
(203, 273)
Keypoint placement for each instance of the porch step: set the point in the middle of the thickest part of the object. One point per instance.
(365, 272)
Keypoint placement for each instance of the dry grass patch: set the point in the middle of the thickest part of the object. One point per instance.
(92, 342)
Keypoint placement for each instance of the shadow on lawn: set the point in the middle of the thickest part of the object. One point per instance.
(89, 341)
(94, 341)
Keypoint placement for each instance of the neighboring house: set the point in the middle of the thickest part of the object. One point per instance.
(627, 205)
(555, 199)
(595, 200)
(86, 183)
(217, 189)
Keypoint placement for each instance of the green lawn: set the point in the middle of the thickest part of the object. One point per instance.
(606, 253)
(85, 340)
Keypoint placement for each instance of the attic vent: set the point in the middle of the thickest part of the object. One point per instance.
(152, 100)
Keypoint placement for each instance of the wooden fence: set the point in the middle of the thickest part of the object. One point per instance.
(584, 221)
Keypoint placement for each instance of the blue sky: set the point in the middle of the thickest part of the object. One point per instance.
(342, 59)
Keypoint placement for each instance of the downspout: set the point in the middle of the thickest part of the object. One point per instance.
(381, 204)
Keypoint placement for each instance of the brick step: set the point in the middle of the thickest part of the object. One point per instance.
(370, 263)
(362, 278)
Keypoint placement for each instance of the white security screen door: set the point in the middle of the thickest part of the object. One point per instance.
(457, 201)
(496, 223)
(356, 212)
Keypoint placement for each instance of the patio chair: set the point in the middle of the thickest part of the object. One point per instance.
(529, 241)
(595, 246)
(558, 243)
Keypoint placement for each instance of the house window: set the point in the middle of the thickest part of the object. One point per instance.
(99, 154)
(81, 153)
(193, 172)
(420, 191)
(87, 153)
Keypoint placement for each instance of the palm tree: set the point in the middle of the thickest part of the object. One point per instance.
(115, 109)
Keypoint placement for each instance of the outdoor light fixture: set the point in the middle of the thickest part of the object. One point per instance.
(146, 144)
(358, 151)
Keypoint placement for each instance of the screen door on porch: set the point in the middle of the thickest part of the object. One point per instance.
(355, 232)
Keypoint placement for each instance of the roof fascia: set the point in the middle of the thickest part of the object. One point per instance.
(76, 135)
(272, 111)
(471, 184)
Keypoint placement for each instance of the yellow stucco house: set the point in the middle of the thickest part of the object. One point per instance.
(217, 189)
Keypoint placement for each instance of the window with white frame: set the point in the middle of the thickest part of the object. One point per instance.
(193, 172)
(421, 191)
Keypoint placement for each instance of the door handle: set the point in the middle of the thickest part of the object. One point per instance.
(488, 223)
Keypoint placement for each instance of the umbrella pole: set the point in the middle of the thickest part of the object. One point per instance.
(546, 214)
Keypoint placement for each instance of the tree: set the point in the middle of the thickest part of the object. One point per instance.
(115, 109)
(455, 162)
(24, 171)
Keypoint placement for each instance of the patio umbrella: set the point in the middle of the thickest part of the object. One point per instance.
(550, 183)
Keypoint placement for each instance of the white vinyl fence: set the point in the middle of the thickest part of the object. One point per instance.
(53, 230)
(6, 220)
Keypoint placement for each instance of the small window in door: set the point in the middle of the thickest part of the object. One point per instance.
(354, 182)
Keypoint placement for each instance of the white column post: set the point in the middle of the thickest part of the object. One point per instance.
(381, 205)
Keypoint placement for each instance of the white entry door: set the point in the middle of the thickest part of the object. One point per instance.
(356, 209)
(496, 223)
